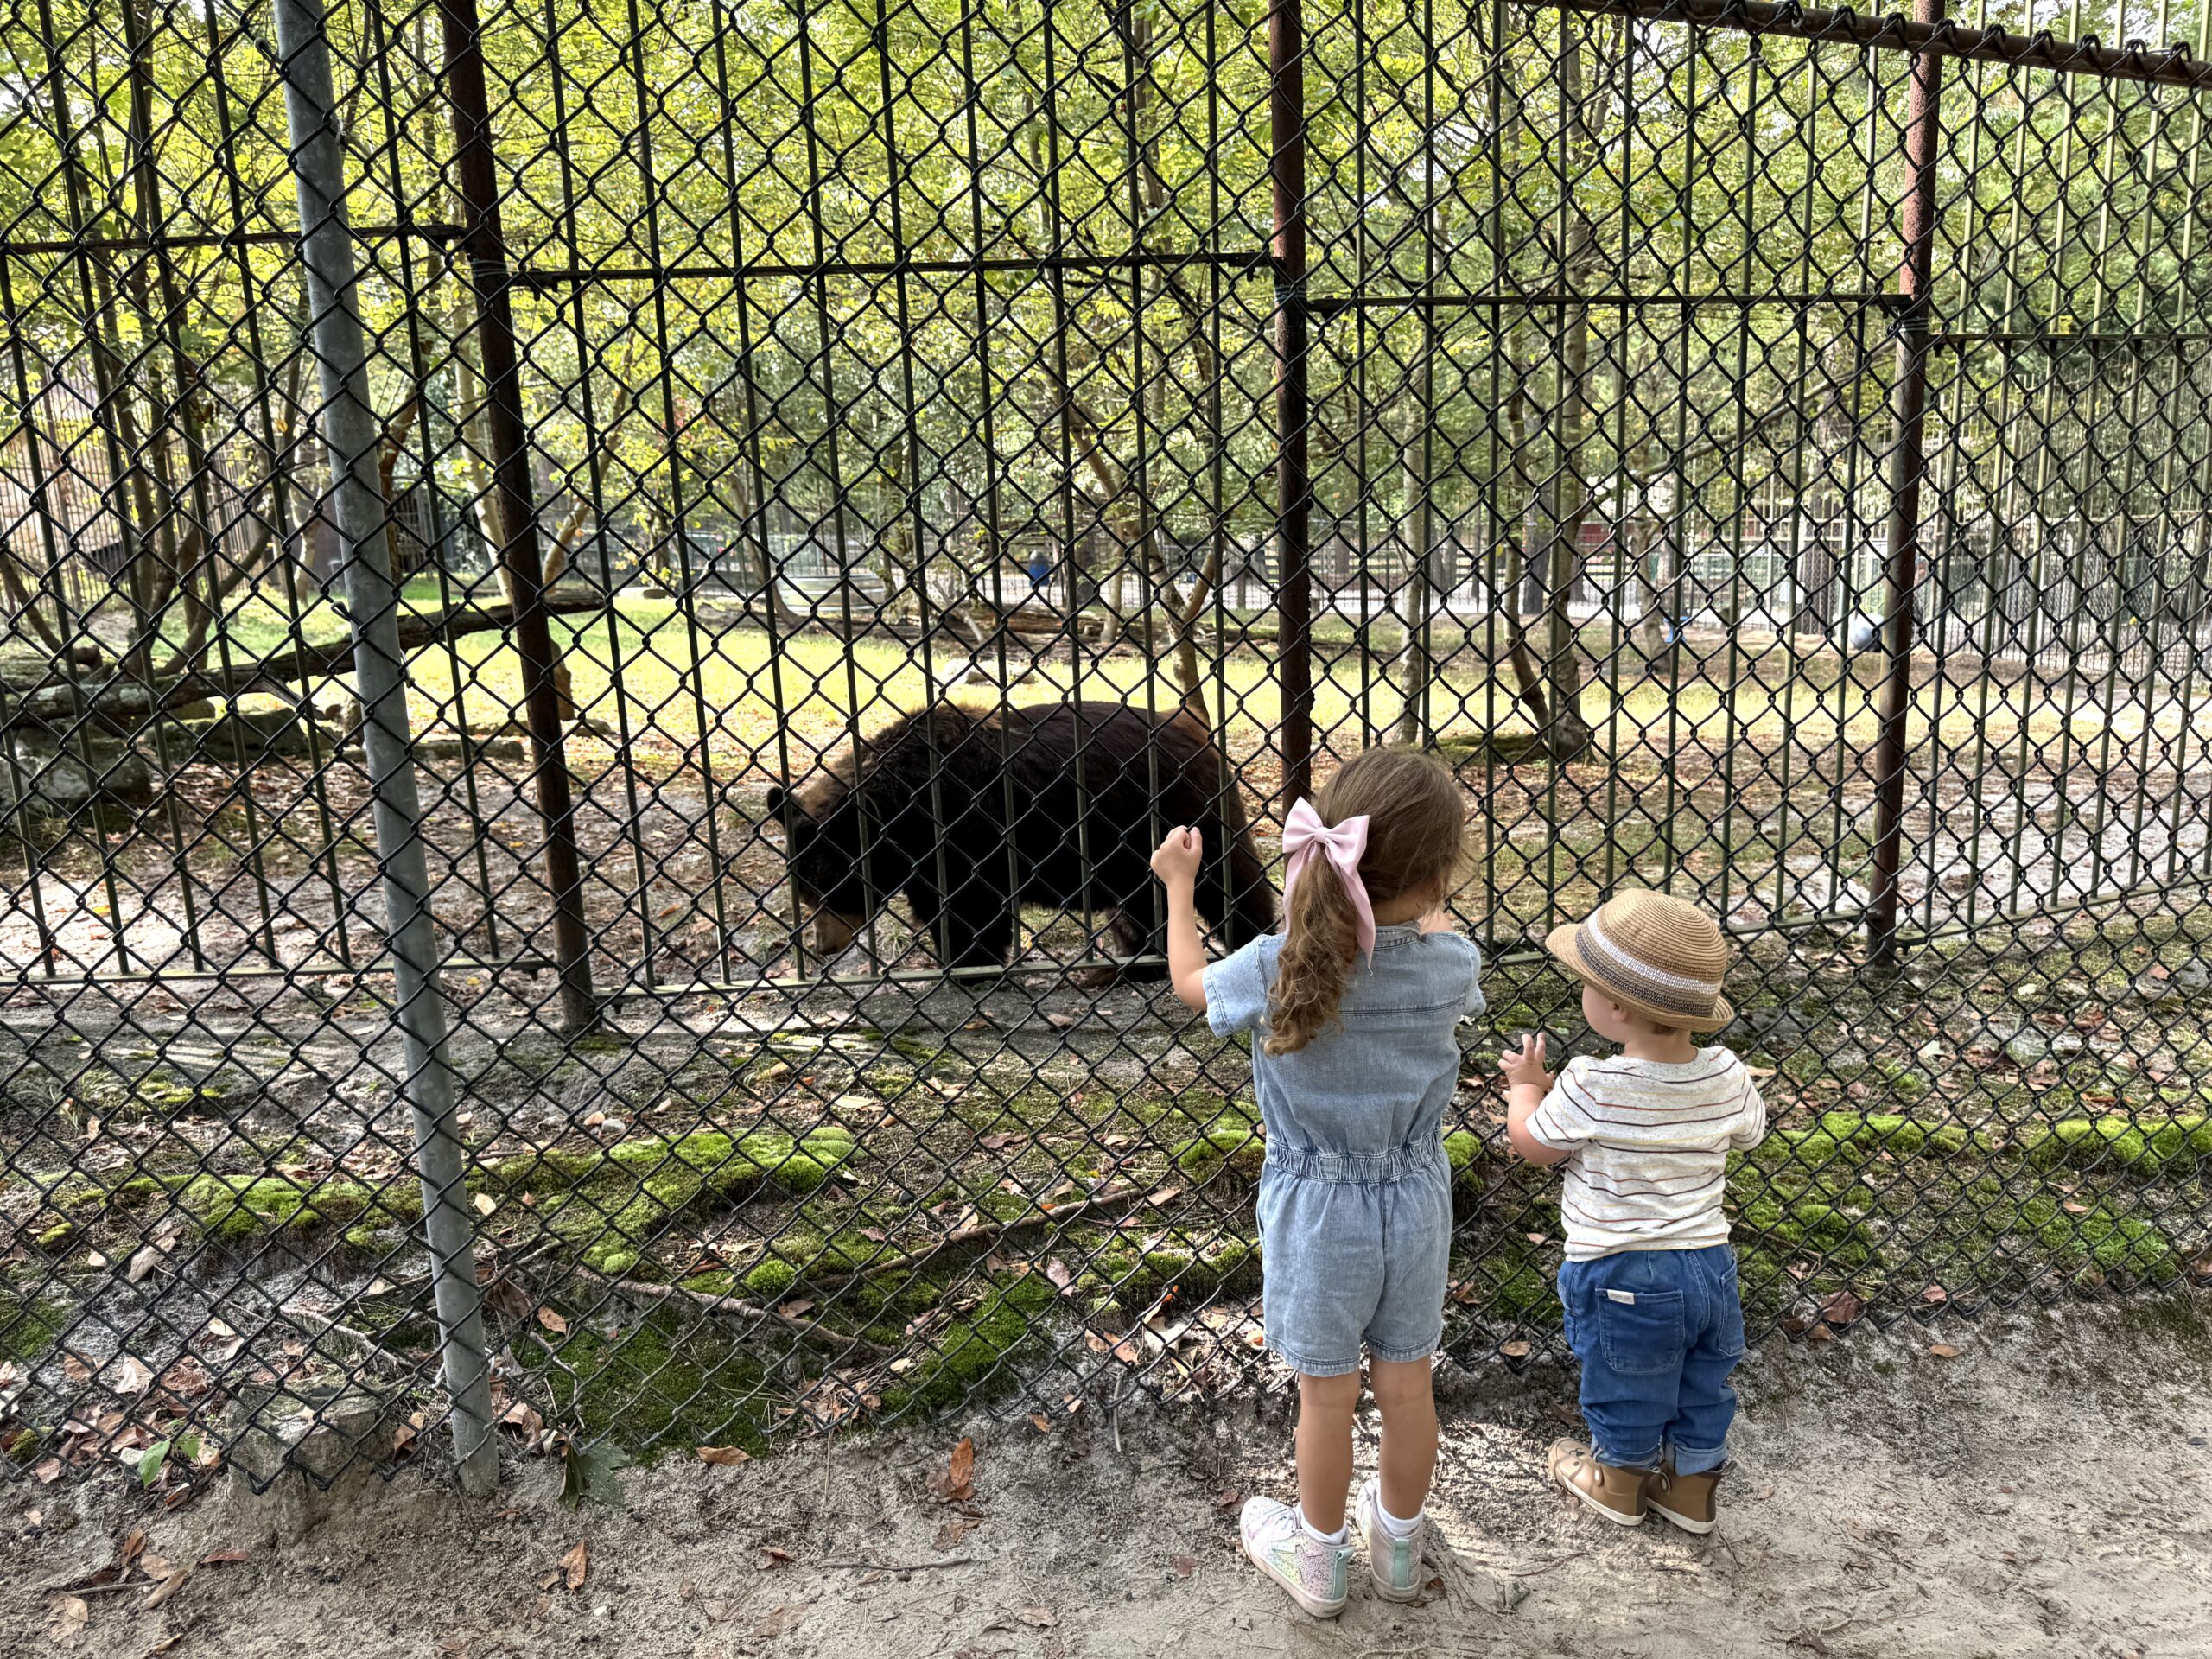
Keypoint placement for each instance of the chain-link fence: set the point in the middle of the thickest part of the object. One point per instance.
(603, 608)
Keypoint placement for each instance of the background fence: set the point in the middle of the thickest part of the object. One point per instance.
(473, 466)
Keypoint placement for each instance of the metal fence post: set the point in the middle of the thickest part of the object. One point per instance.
(1293, 486)
(486, 246)
(1908, 420)
(351, 432)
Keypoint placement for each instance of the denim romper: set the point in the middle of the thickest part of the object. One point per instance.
(1355, 1206)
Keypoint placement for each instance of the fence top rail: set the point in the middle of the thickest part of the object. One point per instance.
(2165, 66)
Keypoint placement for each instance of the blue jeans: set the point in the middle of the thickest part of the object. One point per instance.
(1657, 1332)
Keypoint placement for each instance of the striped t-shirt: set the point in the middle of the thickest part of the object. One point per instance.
(1651, 1149)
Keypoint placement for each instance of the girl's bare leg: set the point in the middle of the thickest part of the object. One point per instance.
(1403, 1393)
(1325, 1411)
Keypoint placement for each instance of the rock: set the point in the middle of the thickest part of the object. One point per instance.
(2066, 1044)
(2026, 1047)
(60, 779)
(256, 734)
(296, 1456)
(1776, 1030)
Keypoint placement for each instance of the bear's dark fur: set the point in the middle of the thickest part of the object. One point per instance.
(1007, 822)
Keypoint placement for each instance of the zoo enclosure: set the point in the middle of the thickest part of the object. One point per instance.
(912, 290)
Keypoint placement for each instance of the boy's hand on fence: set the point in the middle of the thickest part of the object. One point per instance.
(1524, 1067)
(1177, 861)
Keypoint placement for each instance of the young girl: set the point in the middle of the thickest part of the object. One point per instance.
(1354, 1001)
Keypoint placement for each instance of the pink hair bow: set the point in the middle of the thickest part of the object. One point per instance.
(1303, 834)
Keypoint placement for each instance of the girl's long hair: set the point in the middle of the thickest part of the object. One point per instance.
(1417, 839)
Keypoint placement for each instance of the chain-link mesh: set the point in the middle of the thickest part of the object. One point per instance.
(856, 472)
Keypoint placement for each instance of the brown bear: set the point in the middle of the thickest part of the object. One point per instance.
(973, 815)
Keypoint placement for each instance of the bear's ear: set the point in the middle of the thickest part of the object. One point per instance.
(773, 804)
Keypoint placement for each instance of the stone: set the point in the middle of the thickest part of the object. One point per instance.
(53, 779)
(1778, 1030)
(2026, 1047)
(2067, 1044)
(296, 1457)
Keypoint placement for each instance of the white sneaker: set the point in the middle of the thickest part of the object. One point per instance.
(1315, 1573)
(1393, 1562)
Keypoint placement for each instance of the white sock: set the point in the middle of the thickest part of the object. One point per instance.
(1391, 1524)
(1340, 1535)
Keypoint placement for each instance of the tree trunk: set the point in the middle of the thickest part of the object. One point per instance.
(1414, 663)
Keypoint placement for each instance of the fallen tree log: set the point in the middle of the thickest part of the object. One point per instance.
(123, 707)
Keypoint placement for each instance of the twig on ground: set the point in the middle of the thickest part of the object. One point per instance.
(895, 1566)
(373, 1348)
(1531, 1571)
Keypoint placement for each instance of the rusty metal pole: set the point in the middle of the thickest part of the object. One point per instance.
(474, 166)
(1908, 421)
(1293, 487)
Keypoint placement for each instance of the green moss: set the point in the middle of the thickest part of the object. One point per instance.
(1140, 1278)
(770, 1281)
(29, 1326)
(232, 1209)
(57, 1237)
(974, 1355)
(2102, 1241)
(2143, 1147)
(1236, 1148)
(1804, 1227)
(668, 1385)
(612, 1207)
(155, 1092)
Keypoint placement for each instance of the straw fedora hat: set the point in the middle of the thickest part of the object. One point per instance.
(1651, 951)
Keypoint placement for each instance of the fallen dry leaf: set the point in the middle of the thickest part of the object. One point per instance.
(957, 1480)
(132, 1376)
(485, 1204)
(65, 1620)
(167, 1587)
(1057, 1271)
(223, 1557)
(1844, 1307)
(1515, 1350)
(1037, 1618)
(1945, 1350)
(552, 1321)
(147, 1258)
(778, 1620)
(576, 1565)
(452, 1647)
(771, 1557)
(728, 1456)
(955, 1527)
(1182, 1566)
(75, 1369)
(49, 1469)
(1044, 1423)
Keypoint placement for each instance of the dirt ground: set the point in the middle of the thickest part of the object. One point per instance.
(2047, 1491)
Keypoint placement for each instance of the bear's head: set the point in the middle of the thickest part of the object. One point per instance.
(825, 845)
